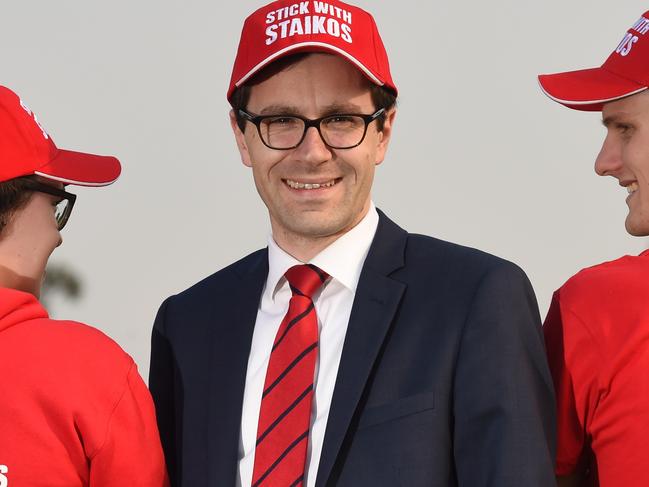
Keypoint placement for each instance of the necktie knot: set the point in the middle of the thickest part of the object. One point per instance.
(305, 279)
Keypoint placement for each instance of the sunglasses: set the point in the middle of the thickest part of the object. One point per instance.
(63, 206)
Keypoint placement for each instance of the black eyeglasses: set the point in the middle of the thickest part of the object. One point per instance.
(338, 131)
(63, 207)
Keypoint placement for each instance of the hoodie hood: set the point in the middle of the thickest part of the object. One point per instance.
(17, 307)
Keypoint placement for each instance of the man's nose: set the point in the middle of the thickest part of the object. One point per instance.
(313, 149)
(609, 159)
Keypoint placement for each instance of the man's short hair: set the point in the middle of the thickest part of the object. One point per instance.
(13, 196)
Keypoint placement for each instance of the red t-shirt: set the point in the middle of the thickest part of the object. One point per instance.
(74, 411)
(597, 338)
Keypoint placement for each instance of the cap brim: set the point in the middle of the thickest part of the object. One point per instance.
(587, 89)
(308, 47)
(78, 168)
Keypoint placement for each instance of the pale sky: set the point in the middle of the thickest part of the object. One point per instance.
(479, 155)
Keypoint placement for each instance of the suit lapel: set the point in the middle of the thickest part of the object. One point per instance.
(375, 304)
(236, 314)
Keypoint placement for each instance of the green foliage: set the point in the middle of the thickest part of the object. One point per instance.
(63, 280)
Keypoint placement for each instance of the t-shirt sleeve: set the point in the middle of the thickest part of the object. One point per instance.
(131, 453)
(573, 357)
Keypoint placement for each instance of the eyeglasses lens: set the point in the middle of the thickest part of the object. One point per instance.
(343, 131)
(60, 212)
(282, 132)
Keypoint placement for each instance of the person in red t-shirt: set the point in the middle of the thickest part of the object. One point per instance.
(74, 411)
(597, 329)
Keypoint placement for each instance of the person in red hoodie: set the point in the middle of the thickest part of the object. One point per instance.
(597, 328)
(73, 411)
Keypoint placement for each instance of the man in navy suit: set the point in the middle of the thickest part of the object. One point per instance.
(348, 352)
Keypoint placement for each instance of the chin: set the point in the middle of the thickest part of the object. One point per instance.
(637, 229)
(316, 228)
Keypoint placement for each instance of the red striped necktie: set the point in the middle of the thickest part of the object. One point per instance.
(285, 414)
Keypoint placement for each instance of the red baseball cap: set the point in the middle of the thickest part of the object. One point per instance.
(26, 149)
(286, 27)
(625, 73)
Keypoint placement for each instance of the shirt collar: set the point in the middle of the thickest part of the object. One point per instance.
(343, 260)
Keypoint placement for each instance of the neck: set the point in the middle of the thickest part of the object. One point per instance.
(306, 247)
(12, 280)
(303, 248)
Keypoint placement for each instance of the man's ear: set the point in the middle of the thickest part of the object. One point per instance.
(240, 139)
(385, 135)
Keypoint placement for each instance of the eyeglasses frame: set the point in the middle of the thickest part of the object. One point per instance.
(47, 189)
(311, 122)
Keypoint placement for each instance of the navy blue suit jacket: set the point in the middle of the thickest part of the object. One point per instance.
(443, 379)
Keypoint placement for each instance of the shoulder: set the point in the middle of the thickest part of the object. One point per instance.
(604, 303)
(69, 358)
(196, 304)
(223, 280)
(453, 273)
(457, 263)
(430, 247)
(78, 344)
(429, 256)
(597, 284)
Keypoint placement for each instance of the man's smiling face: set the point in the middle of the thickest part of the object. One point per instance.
(313, 191)
(625, 155)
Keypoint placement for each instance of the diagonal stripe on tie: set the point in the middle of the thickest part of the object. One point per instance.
(281, 436)
(322, 275)
(297, 360)
(291, 324)
(298, 481)
(295, 290)
(304, 394)
(299, 439)
(282, 396)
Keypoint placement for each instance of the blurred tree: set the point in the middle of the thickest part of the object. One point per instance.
(60, 279)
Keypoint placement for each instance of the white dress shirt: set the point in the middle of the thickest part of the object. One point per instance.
(343, 261)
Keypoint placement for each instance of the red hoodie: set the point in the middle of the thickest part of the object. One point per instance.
(73, 409)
